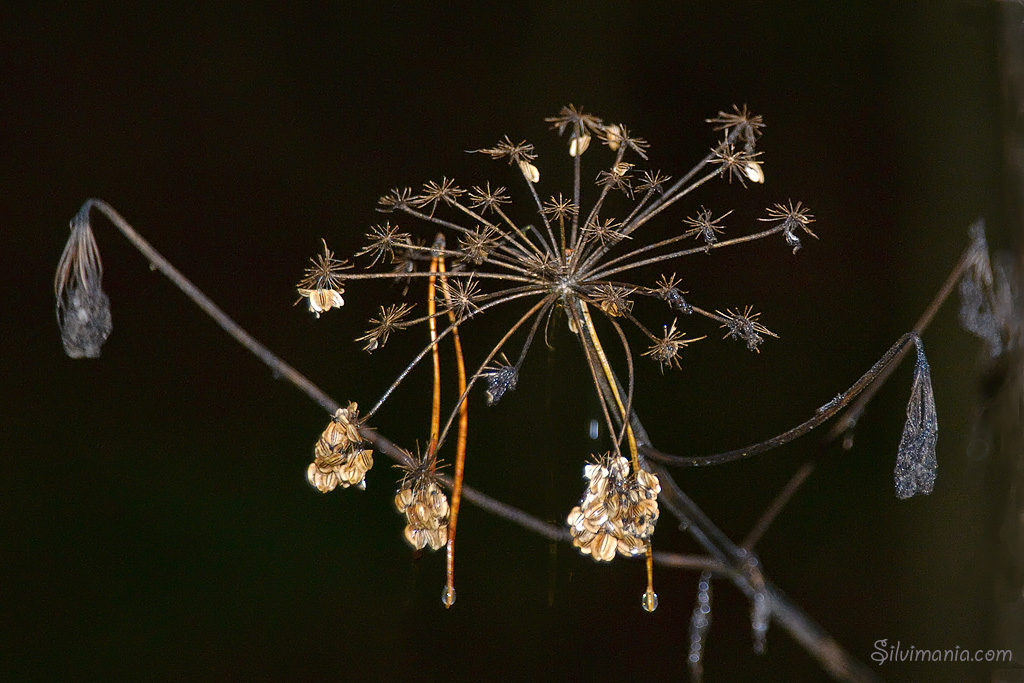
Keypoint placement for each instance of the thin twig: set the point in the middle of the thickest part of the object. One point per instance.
(849, 419)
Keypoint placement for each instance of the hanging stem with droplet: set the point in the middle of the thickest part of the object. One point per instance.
(649, 598)
(448, 597)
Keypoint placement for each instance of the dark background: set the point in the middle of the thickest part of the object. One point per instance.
(155, 519)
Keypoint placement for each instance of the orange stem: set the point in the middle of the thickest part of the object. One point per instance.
(460, 446)
(435, 411)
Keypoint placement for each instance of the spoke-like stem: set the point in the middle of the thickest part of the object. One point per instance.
(604, 273)
(543, 303)
(632, 227)
(423, 352)
(553, 245)
(476, 275)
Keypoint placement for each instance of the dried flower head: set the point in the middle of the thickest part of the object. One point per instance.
(384, 240)
(668, 289)
(791, 218)
(743, 122)
(476, 245)
(617, 178)
(322, 283)
(745, 326)
(487, 199)
(559, 208)
(390, 319)
(704, 227)
(666, 348)
(433, 192)
(738, 163)
(613, 300)
(604, 231)
(515, 152)
(461, 297)
(397, 198)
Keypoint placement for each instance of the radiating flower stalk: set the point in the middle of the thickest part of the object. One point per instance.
(574, 260)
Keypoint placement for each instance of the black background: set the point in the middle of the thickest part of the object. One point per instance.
(155, 517)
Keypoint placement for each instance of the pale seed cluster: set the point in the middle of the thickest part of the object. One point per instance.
(426, 509)
(618, 512)
(337, 458)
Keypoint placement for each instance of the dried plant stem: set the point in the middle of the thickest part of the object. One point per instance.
(623, 410)
(823, 414)
(849, 419)
(435, 405)
(277, 366)
(460, 443)
(724, 556)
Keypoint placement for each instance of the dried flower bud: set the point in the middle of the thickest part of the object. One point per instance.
(322, 283)
(83, 310)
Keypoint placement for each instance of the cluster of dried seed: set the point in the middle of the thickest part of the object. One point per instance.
(337, 457)
(618, 512)
(426, 508)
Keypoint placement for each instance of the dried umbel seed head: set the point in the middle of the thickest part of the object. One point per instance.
(322, 283)
(337, 458)
(744, 325)
(618, 511)
(666, 349)
(426, 510)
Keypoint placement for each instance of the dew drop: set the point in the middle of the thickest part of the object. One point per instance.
(649, 600)
(448, 596)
